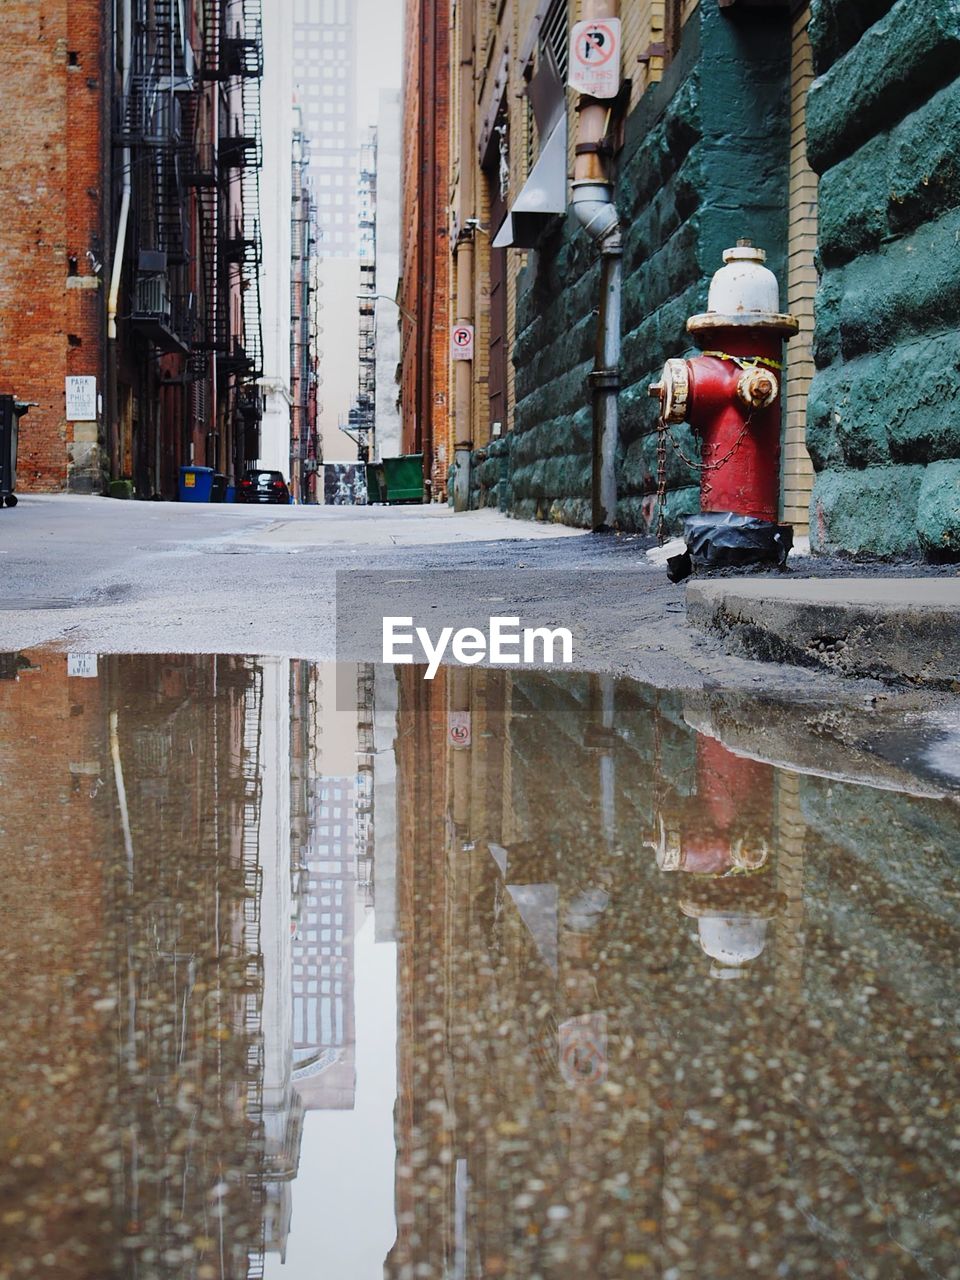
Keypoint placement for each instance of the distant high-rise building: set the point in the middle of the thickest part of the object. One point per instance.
(325, 78)
(325, 86)
(387, 441)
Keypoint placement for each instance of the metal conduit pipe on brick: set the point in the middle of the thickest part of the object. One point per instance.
(592, 202)
(126, 165)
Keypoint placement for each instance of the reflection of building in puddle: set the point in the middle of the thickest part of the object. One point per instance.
(575, 1097)
(142, 1152)
(324, 1035)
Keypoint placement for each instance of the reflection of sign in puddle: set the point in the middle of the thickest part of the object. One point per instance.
(582, 1045)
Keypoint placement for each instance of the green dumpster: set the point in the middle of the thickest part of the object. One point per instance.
(376, 483)
(404, 478)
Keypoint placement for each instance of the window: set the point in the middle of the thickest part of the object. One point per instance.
(672, 28)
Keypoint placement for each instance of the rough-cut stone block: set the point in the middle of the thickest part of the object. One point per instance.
(894, 183)
(938, 511)
(897, 64)
(837, 25)
(911, 286)
(870, 512)
(826, 319)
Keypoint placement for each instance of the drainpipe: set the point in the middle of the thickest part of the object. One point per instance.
(593, 205)
(463, 369)
(126, 169)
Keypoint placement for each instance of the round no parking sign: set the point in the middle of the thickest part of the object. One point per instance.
(595, 58)
(461, 342)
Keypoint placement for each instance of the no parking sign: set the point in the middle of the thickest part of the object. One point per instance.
(582, 1050)
(595, 58)
(461, 342)
(458, 728)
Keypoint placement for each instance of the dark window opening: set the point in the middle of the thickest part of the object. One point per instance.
(554, 36)
(672, 29)
(73, 58)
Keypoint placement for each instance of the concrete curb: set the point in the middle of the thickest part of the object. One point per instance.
(901, 630)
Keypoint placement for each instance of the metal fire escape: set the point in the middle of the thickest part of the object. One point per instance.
(226, 173)
(362, 415)
(152, 121)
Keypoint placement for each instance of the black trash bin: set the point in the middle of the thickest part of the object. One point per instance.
(11, 411)
(218, 492)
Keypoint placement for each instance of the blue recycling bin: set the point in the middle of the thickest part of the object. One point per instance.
(196, 484)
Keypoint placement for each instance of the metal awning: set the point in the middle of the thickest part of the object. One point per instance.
(543, 196)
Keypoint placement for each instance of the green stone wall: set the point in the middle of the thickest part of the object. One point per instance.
(883, 132)
(704, 164)
(490, 475)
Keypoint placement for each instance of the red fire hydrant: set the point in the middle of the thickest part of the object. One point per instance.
(730, 395)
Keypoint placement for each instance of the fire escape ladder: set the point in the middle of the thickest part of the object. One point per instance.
(204, 177)
(210, 55)
(241, 152)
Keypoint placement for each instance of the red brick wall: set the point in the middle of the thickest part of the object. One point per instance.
(50, 181)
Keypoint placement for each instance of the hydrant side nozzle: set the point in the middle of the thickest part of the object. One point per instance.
(758, 388)
(673, 391)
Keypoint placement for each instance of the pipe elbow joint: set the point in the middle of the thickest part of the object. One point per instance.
(597, 214)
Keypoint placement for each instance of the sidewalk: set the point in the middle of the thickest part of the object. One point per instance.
(894, 629)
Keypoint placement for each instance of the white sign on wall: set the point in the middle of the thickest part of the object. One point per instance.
(82, 665)
(595, 58)
(81, 399)
(461, 342)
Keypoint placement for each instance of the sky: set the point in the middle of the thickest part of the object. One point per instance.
(380, 54)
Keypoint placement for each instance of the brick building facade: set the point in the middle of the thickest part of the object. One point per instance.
(53, 237)
(131, 239)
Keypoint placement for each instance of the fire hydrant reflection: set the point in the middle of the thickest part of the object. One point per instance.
(721, 840)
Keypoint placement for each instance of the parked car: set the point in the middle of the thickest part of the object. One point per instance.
(263, 486)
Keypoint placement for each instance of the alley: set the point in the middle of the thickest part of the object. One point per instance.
(479, 640)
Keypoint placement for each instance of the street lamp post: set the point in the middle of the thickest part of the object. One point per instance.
(372, 297)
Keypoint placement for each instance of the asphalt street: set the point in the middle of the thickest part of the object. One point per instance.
(100, 575)
(94, 575)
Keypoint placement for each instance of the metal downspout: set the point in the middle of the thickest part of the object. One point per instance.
(592, 202)
(463, 419)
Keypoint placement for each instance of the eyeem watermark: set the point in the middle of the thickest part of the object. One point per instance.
(504, 644)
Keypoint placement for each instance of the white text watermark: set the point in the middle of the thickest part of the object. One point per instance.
(504, 643)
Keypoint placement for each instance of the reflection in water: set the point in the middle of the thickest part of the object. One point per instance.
(663, 1008)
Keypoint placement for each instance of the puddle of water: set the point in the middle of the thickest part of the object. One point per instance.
(501, 975)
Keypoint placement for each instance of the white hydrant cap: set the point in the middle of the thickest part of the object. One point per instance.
(732, 940)
(744, 283)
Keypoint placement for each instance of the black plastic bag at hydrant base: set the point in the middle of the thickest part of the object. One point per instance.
(723, 540)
